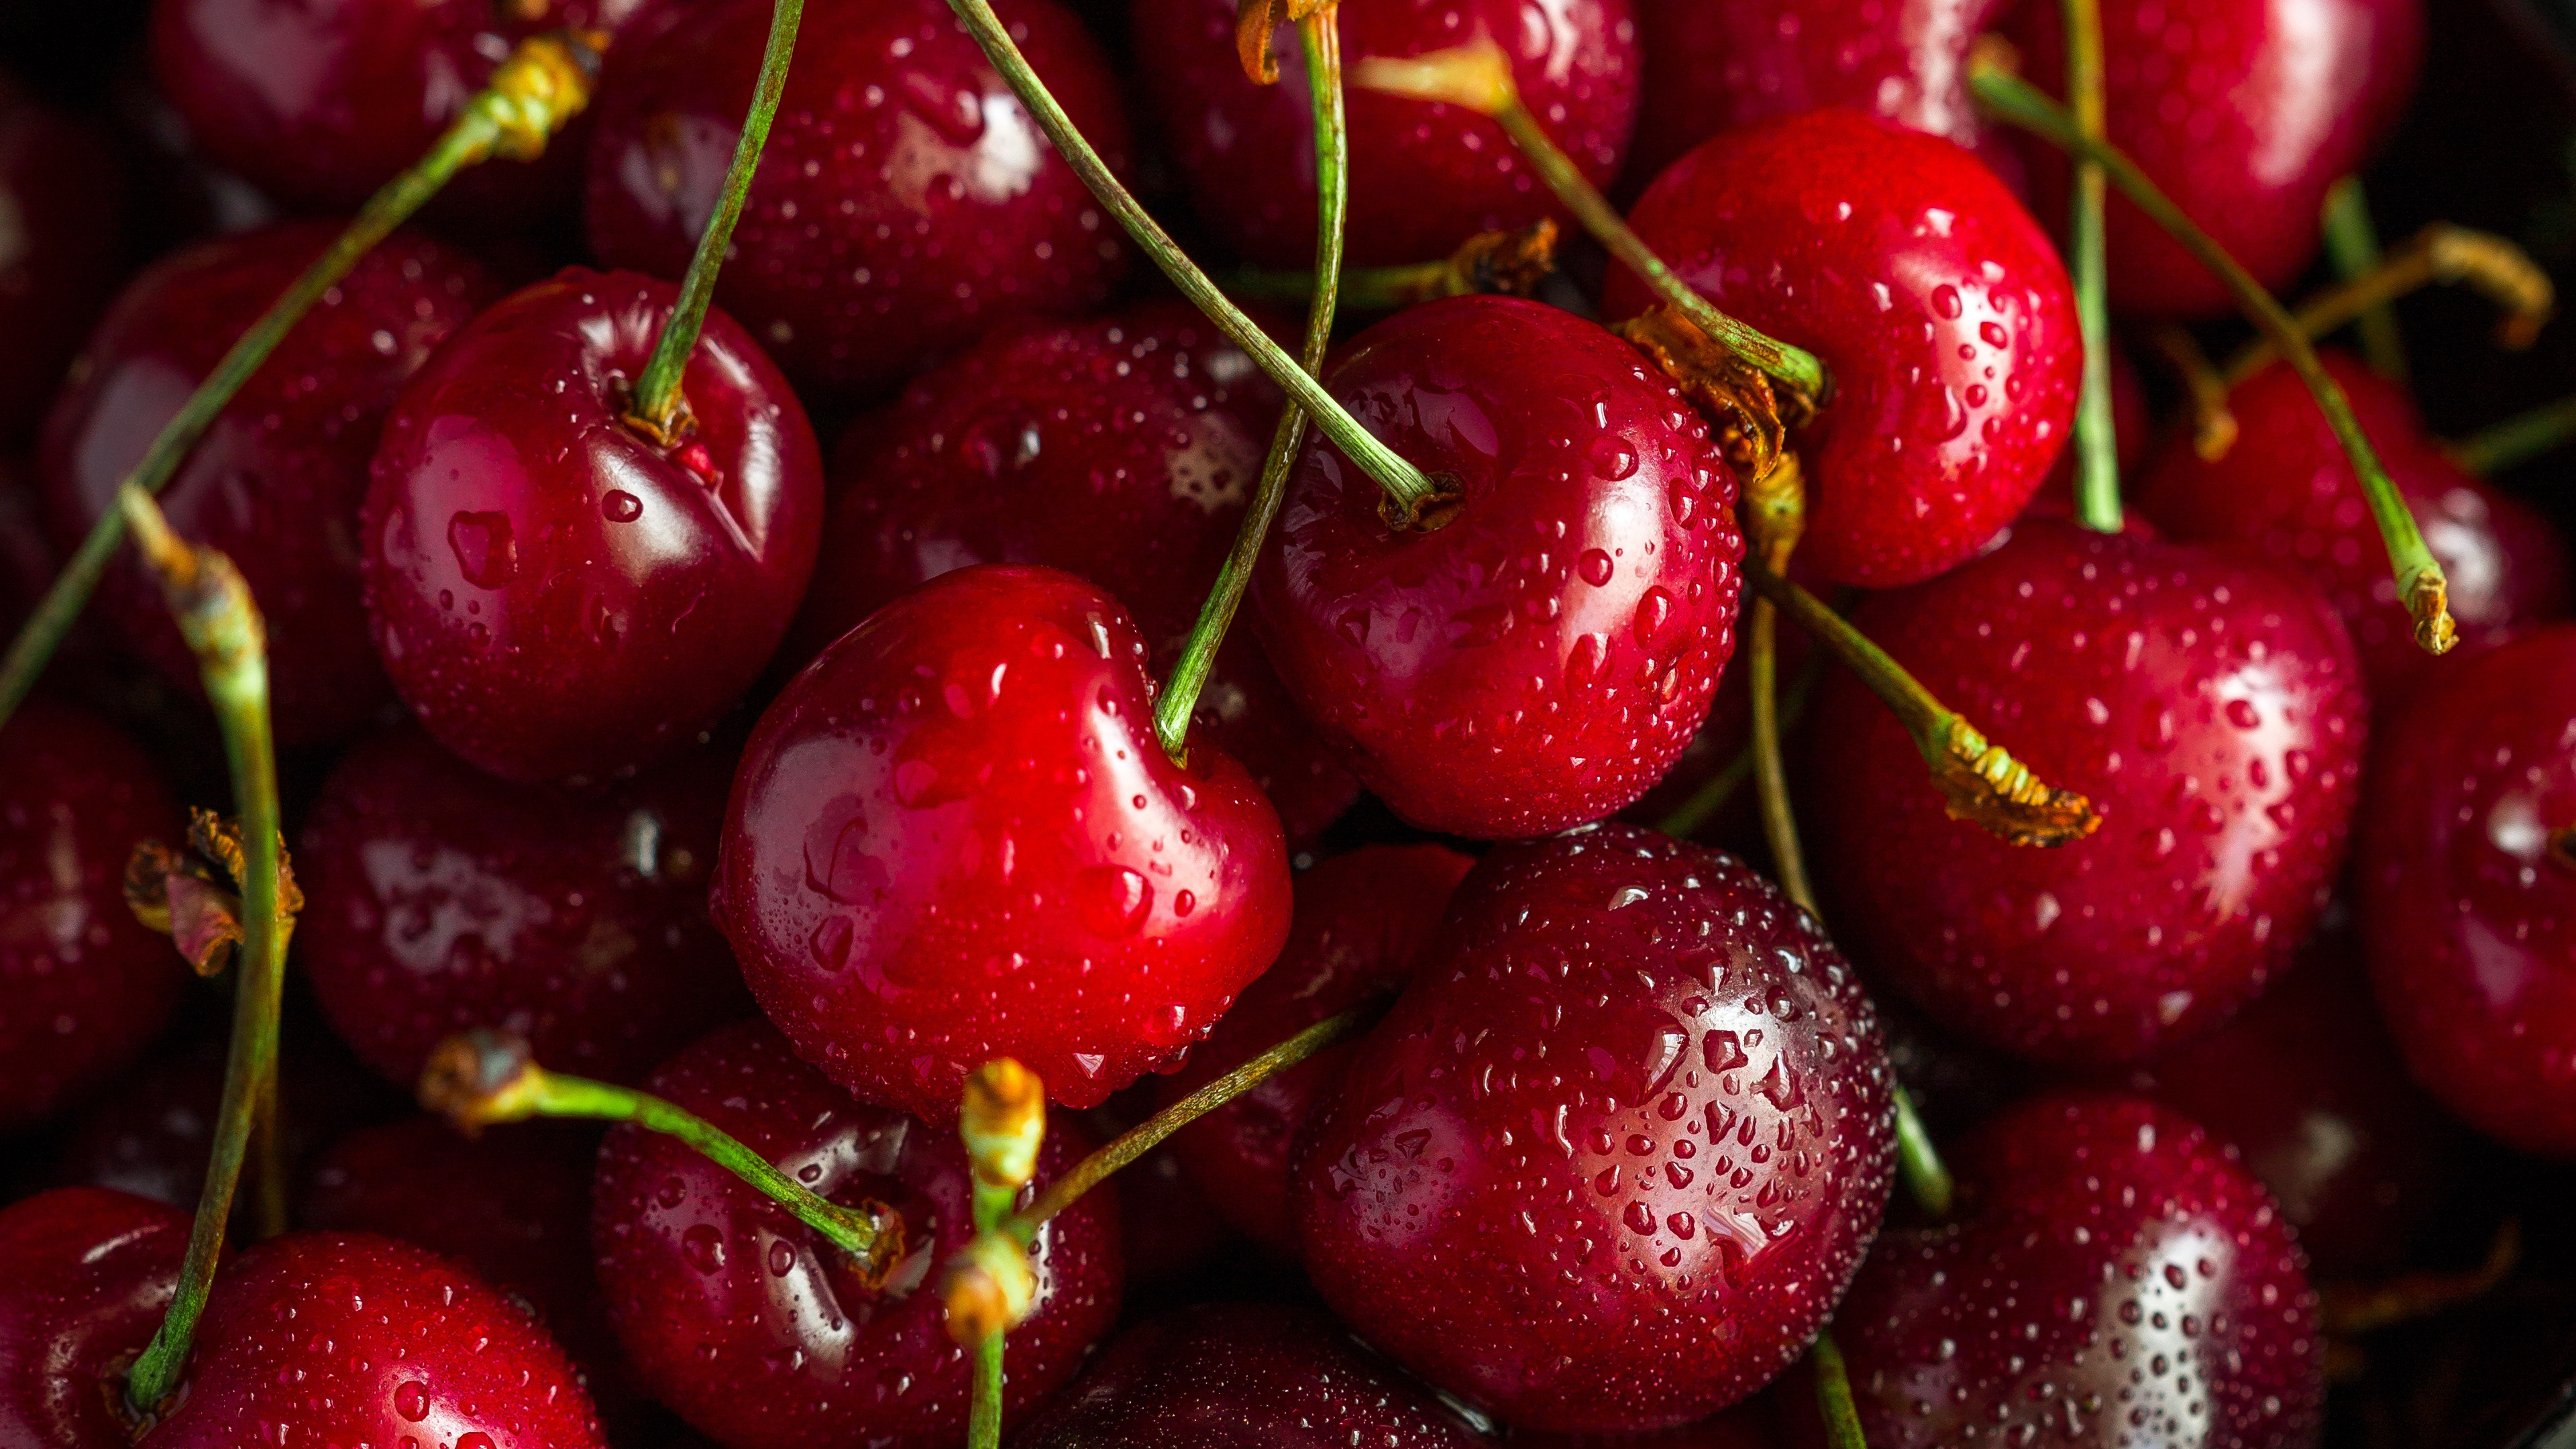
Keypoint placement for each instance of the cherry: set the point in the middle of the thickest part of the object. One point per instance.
(905, 203)
(84, 988)
(276, 482)
(85, 1275)
(2287, 491)
(1615, 1153)
(758, 1332)
(1423, 176)
(1538, 660)
(556, 596)
(1723, 738)
(954, 837)
(2122, 1280)
(2209, 708)
(1749, 1425)
(1167, 1228)
(1363, 921)
(438, 900)
(2467, 888)
(1243, 1376)
(1934, 299)
(61, 189)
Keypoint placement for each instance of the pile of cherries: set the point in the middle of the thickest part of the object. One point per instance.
(791, 784)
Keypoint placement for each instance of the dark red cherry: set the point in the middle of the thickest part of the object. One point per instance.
(2287, 492)
(760, 1333)
(2466, 877)
(1625, 1137)
(278, 478)
(1244, 1376)
(84, 988)
(85, 1275)
(2211, 710)
(555, 596)
(1540, 658)
(438, 899)
(1752, 1424)
(2121, 1280)
(61, 188)
(1167, 1228)
(1363, 922)
(1724, 736)
(954, 837)
(1424, 176)
(2243, 112)
(1933, 298)
(905, 203)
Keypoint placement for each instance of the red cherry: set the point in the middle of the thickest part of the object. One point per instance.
(2467, 888)
(1167, 1228)
(757, 1331)
(2210, 709)
(954, 837)
(2122, 1281)
(556, 597)
(278, 478)
(1363, 921)
(1647, 1220)
(1541, 658)
(1749, 1425)
(61, 188)
(1423, 177)
(905, 203)
(438, 900)
(2287, 492)
(85, 1276)
(1935, 301)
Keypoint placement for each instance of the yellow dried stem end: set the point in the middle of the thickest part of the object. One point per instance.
(1985, 786)
(1254, 23)
(989, 1288)
(1738, 399)
(2428, 603)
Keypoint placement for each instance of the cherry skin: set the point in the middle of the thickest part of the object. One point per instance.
(1167, 1228)
(1540, 658)
(438, 900)
(754, 1329)
(2121, 1280)
(556, 597)
(2467, 887)
(1648, 1220)
(1363, 922)
(1934, 300)
(1423, 176)
(905, 203)
(85, 1275)
(278, 478)
(2210, 709)
(61, 190)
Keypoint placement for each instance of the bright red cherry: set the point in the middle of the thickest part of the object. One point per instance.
(1424, 176)
(61, 189)
(1611, 1160)
(1933, 298)
(905, 203)
(2211, 710)
(438, 899)
(1540, 658)
(555, 596)
(85, 1275)
(277, 481)
(756, 1330)
(955, 837)
(2122, 1280)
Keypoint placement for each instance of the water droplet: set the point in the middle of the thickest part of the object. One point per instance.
(1945, 300)
(619, 506)
(1595, 566)
(411, 1400)
(485, 552)
(703, 1247)
(1112, 900)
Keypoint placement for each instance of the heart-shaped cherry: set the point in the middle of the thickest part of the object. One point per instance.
(85, 1275)
(757, 1331)
(555, 595)
(1612, 1158)
(61, 188)
(1933, 298)
(2210, 709)
(1541, 657)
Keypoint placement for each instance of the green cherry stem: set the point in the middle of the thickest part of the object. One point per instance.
(1918, 1161)
(1834, 1395)
(543, 84)
(2097, 457)
(984, 1411)
(2451, 255)
(2518, 439)
(2352, 246)
(1693, 815)
(1775, 513)
(1003, 1123)
(1510, 263)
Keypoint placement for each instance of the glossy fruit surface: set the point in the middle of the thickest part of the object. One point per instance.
(758, 1331)
(1539, 659)
(1615, 1153)
(2121, 1279)
(1934, 300)
(2210, 709)
(278, 478)
(60, 189)
(85, 1276)
(1424, 176)
(556, 597)
(954, 837)
(438, 899)
(905, 204)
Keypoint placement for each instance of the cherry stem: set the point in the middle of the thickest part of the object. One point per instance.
(2349, 1310)
(984, 1411)
(2419, 576)
(1510, 263)
(2097, 456)
(222, 626)
(2213, 423)
(1775, 511)
(1003, 1123)
(1319, 36)
(659, 408)
(267, 1163)
(1693, 815)
(1834, 1395)
(2518, 439)
(1410, 492)
(2442, 253)
(1918, 1161)
(2352, 246)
